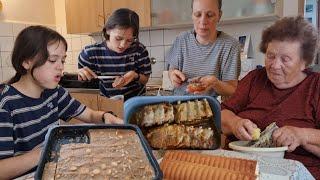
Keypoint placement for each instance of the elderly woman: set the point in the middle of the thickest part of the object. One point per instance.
(204, 52)
(285, 92)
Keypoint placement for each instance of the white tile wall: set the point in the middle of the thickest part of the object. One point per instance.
(6, 43)
(6, 59)
(6, 29)
(7, 73)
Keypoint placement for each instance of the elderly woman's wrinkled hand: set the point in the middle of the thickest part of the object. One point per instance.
(288, 136)
(243, 129)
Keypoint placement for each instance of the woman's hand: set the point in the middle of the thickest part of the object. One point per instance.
(122, 81)
(243, 129)
(111, 119)
(205, 82)
(176, 77)
(86, 74)
(288, 136)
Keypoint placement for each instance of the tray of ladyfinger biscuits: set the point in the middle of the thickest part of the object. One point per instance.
(192, 166)
(176, 122)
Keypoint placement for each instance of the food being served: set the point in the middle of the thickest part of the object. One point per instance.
(186, 165)
(188, 124)
(265, 139)
(194, 87)
(111, 154)
(180, 136)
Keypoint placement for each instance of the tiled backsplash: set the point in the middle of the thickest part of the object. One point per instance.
(157, 42)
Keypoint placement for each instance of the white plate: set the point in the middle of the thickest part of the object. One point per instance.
(277, 152)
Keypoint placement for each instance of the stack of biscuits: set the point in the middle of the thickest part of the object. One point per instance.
(177, 165)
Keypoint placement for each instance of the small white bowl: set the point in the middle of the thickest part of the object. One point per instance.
(276, 152)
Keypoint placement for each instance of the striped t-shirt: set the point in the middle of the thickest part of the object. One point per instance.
(105, 62)
(24, 121)
(221, 58)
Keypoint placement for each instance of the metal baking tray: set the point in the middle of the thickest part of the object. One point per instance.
(67, 134)
(133, 104)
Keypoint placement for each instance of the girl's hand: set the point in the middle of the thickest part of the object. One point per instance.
(86, 74)
(122, 81)
(243, 129)
(288, 136)
(111, 119)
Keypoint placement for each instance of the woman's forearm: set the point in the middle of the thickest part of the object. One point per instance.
(314, 149)
(16, 166)
(311, 140)
(225, 88)
(228, 118)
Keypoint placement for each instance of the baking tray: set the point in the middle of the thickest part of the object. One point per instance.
(133, 104)
(66, 134)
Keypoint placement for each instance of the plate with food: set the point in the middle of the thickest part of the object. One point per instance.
(262, 143)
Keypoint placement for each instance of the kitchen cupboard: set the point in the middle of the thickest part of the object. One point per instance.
(89, 16)
(97, 102)
(84, 16)
(141, 7)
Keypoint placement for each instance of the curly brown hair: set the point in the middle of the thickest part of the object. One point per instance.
(293, 29)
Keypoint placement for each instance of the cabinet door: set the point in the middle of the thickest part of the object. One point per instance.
(84, 16)
(88, 99)
(107, 104)
(141, 7)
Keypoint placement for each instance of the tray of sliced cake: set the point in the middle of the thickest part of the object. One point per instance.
(176, 122)
(97, 152)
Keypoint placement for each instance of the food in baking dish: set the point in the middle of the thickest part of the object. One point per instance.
(111, 154)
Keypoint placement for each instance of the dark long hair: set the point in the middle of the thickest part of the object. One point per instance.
(32, 43)
(122, 18)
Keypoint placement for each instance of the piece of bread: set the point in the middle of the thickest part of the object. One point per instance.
(179, 170)
(235, 164)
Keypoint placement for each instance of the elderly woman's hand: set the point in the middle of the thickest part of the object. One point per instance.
(288, 136)
(243, 129)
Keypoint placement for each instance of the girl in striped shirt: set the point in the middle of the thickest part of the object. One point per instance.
(120, 55)
(31, 102)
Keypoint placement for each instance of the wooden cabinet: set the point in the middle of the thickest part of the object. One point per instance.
(141, 7)
(88, 16)
(97, 102)
(84, 16)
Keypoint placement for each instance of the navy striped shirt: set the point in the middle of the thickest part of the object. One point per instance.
(105, 62)
(24, 121)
